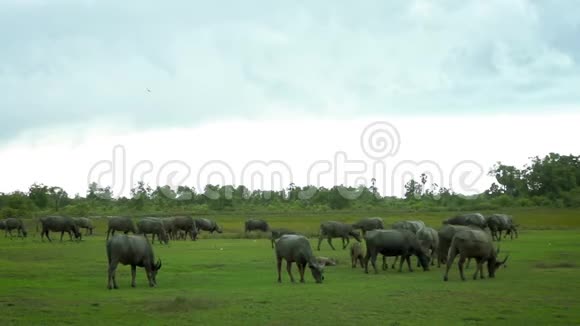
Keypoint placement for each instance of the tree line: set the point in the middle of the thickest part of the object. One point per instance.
(552, 180)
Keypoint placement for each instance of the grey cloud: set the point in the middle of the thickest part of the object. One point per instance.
(66, 62)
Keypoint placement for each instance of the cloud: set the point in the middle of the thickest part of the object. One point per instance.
(72, 62)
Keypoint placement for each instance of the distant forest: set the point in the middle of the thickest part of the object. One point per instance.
(551, 181)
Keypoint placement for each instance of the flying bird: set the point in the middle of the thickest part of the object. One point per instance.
(148, 90)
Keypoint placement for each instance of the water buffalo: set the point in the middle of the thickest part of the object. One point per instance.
(473, 219)
(333, 229)
(207, 225)
(413, 226)
(369, 224)
(477, 244)
(256, 224)
(120, 223)
(296, 249)
(84, 223)
(326, 261)
(12, 223)
(132, 250)
(498, 223)
(2, 225)
(429, 239)
(60, 224)
(186, 224)
(153, 226)
(169, 225)
(277, 233)
(394, 243)
(445, 235)
(356, 254)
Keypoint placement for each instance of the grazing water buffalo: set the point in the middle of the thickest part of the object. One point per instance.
(369, 224)
(429, 239)
(394, 243)
(446, 234)
(186, 224)
(333, 229)
(277, 233)
(207, 225)
(169, 225)
(12, 223)
(475, 244)
(153, 226)
(498, 223)
(84, 223)
(256, 224)
(473, 219)
(120, 223)
(356, 254)
(132, 250)
(60, 224)
(296, 249)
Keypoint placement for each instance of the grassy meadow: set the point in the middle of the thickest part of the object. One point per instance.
(228, 280)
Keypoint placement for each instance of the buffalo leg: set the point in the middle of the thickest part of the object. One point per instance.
(477, 268)
(450, 259)
(289, 270)
(301, 268)
(149, 277)
(112, 278)
(408, 259)
(133, 274)
(462, 259)
(108, 233)
(279, 268)
(385, 265)
(319, 241)
(396, 259)
(70, 235)
(330, 243)
(345, 244)
(360, 259)
(367, 258)
(61, 235)
(401, 264)
(373, 258)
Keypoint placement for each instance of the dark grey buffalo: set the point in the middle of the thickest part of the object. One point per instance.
(120, 223)
(153, 226)
(356, 255)
(473, 219)
(333, 229)
(2, 225)
(60, 224)
(13, 223)
(446, 234)
(369, 224)
(429, 239)
(169, 225)
(84, 223)
(186, 224)
(412, 226)
(256, 225)
(207, 225)
(277, 233)
(296, 249)
(132, 250)
(498, 223)
(476, 244)
(388, 243)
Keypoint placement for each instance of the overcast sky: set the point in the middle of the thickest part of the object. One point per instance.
(81, 75)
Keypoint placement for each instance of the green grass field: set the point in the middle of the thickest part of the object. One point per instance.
(220, 280)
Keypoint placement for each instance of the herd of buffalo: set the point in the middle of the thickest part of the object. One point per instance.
(469, 236)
